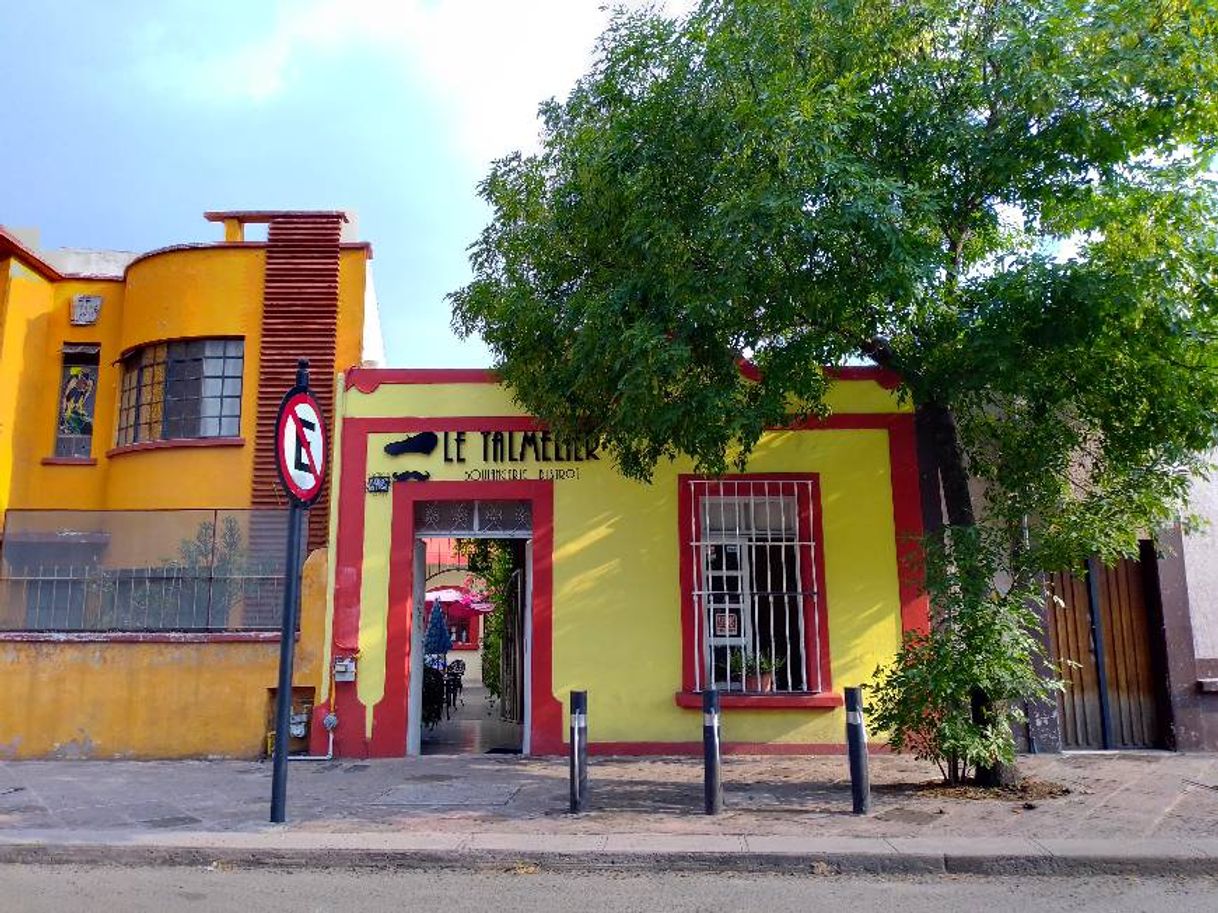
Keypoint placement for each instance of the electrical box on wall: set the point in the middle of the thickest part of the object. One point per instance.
(344, 669)
(85, 310)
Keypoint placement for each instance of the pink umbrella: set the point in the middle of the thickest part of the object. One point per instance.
(458, 602)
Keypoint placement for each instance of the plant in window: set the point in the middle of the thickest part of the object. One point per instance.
(755, 670)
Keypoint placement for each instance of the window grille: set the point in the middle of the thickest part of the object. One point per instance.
(501, 519)
(175, 390)
(755, 608)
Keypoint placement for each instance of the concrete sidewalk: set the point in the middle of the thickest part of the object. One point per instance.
(1135, 812)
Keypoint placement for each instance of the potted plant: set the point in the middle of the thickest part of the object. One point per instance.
(755, 671)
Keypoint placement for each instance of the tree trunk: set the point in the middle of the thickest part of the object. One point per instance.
(939, 448)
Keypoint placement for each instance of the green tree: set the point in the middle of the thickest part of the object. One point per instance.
(492, 561)
(1008, 202)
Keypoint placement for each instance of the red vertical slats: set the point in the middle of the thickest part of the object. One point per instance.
(299, 320)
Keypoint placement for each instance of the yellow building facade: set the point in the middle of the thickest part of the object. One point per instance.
(643, 595)
(134, 409)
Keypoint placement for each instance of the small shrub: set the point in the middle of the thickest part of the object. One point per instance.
(951, 695)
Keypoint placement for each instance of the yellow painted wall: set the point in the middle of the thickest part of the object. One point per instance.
(192, 293)
(152, 700)
(196, 292)
(352, 279)
(617, 626)
(160, 699)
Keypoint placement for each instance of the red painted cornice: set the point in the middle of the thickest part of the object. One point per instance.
(11, 247)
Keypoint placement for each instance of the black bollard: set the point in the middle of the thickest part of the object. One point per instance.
(579, 751)
(856, 741)
(712, 781)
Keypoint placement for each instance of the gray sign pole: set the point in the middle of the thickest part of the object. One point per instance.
(291, 584)
(287, 645)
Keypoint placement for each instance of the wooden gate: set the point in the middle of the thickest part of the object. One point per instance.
(1107, 612)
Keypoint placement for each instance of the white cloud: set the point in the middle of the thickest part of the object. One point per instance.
(489, 62)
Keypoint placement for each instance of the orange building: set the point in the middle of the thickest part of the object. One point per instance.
(142, 537)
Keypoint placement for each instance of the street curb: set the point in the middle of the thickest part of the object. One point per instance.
(786, 863)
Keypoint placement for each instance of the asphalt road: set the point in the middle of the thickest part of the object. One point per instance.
(59, 889)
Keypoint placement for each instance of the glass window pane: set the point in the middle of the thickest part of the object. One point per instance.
(210, 406)
(232, 406)
(230, 427)
(209, 427)
(213, 367)
(213, 347)
(232, 367)
(232, 386)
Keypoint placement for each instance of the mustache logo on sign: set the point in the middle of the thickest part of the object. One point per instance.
(411, 476)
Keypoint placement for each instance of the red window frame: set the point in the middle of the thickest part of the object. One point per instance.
(812, 574)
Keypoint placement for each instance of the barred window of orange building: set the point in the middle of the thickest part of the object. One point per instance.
(181, 390)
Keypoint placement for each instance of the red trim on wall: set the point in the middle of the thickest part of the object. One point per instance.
(12, 246)
(390, 716)
(907, 519)
(176, 443)
(366, 380)
(748, 369)
(687, 575)
(475, 635)
(819, 585)
(734, 748)
(414, 424)
(69, 461)
(885, 377)
(810, 529)
(246, 216)
(349, 740)
(692, 700)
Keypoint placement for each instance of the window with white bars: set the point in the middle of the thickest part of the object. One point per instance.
(751, 585)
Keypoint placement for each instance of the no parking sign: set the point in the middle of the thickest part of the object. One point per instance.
(300, 445)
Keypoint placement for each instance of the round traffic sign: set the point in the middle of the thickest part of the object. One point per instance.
(300, 445)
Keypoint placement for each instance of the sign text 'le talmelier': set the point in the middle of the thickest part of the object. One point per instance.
(507, 447)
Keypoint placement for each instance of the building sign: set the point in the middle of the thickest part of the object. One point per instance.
(512, 455)
(727, 624)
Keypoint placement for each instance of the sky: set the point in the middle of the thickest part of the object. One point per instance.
(127, 119)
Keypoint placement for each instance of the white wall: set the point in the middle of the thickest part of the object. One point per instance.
(1201, 562)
